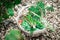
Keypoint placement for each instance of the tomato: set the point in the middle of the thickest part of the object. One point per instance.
(20, 21)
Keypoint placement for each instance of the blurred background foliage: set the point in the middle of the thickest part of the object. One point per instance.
(6, 8)
(14, 35)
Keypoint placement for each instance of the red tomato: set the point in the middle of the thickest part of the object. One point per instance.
(20, 21)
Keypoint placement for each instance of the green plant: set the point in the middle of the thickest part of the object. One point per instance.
(33, 20)
(14, 35)
(50, 8)
(38, 9)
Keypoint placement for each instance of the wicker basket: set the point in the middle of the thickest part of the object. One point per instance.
(27, 33)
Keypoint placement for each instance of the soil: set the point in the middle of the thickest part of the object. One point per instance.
(52, 17)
